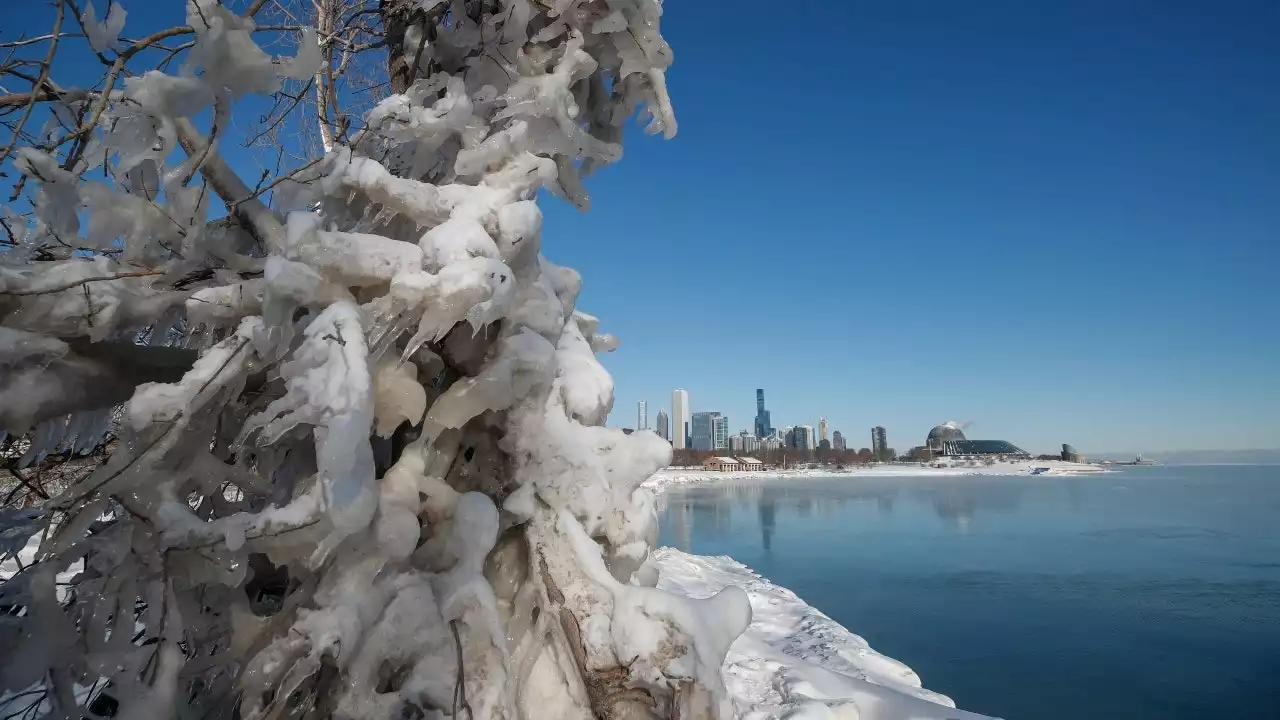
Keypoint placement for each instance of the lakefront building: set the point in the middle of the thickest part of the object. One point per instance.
(642, 415)
(664, 425)
(948, 440)
(879, 443)
(732, 464)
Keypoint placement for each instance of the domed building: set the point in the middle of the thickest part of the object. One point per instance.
(944, 432)
(948, 440)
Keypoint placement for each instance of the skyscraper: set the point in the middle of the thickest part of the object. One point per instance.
(680, 417)
(803, 437)
(822, 429)
(838, 442)
(642, 415)
(879, 444)
(703, 430)
(719, 432)
(763, 426)
(664, 425)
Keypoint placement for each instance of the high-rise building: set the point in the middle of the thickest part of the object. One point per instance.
(763, 426)
(838, 442)
(822, 429)
(680, 418)
(719, 432)
(642, 415)
(664, 425)
(879, 444)
(802, 437)
(745, 442)
(702, 430)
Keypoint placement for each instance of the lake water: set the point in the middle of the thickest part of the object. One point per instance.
(1153, 592)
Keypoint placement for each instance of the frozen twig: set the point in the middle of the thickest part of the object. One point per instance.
(460, 679)
(81, 281)
(45, 67)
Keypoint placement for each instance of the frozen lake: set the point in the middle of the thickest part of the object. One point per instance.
(1147, 593)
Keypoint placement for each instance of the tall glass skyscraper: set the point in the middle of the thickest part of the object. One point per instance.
(719, 432)
(702, 432)
(763, 427)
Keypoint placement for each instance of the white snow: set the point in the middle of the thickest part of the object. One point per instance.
(692, 476)
(795, 662)
(103, 35)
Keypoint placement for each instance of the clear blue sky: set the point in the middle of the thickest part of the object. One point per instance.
(1058, 220)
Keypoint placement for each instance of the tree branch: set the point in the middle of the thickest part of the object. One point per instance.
(81, 281)
(255, 216)
(44, 75)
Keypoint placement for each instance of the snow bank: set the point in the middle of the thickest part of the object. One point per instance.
(690, 476)
(795, 662)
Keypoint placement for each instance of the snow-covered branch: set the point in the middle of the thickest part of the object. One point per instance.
(383, 488)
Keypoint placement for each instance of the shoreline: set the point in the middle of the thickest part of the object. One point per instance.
(670, 476)
(793, 661)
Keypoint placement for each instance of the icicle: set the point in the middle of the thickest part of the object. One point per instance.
(45, 440)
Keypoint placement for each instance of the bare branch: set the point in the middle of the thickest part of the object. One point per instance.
(219, 116)
(44, 75)
(40, 39)
(283, 178)
(324, 75)
(252, 213)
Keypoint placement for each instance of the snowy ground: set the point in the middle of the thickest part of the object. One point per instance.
(795, 662)
(688, 476)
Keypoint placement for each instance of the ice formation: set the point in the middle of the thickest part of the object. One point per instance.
(380, 486)
(795, 662)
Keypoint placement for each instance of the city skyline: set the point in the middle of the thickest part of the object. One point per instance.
(980, 166)
(815, 431)
(710, 430)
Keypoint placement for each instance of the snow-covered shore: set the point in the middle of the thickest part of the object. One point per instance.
(795, 662)
(689, 476)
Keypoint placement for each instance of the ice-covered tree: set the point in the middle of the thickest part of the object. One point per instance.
(355, 462)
